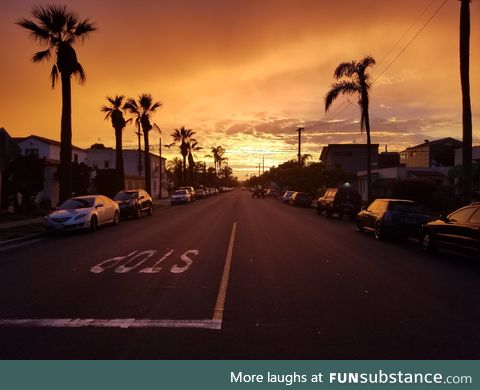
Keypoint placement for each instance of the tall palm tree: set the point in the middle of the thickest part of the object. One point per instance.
(466, 104)
(183, 137)
(143, 110)
(114, 112)
(353, 80)
(59, 29)
(218, 156)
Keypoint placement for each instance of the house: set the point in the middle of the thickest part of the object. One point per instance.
(349, 157)
(438, 153)
(49, 151)
(101, 157)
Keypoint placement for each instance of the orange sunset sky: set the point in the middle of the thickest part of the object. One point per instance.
(245, 74)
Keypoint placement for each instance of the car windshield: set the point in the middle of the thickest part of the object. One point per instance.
(180, 192)
(124, 195)
(404, 207)
(77, 203)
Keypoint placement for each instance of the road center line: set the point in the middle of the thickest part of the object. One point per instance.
(222, 292)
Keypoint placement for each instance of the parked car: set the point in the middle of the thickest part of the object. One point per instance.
(134, 203)
(340, 201)
(286, 196)
(392, 217)
(189, 189)
(459, 231)
(200, 194)
(272, 193)
(181, 197)
(83, 213)
(301, 199)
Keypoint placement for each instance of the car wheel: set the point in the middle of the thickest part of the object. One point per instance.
(428, 242)
(358, 226)
(328, 213)
(379, 232)
(93, 224)
(150, 209)
(116, 218)
(138, 212)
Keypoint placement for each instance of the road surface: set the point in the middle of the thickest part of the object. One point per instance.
(232, 277)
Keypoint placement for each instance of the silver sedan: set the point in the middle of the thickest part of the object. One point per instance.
(83, 213)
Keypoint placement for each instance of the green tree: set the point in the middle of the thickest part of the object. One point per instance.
(353, 79)
(183, 137)
(143, 110)
(59, 29)
(114, 112)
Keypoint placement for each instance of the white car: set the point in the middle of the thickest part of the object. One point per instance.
(83, 212)
(181, 196)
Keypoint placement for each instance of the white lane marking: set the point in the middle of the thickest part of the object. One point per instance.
(109, 263)
(222, 292)
(124, 323)
(127, 267)
(187, 260)
(156, 267)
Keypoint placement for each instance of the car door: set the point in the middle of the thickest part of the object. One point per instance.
(472, 232)
(100, 208)
(369, 215)
(453, 232)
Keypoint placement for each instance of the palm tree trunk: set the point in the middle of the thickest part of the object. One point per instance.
(466, 104)
(184, 170)
(65, 167)
(148, 177)
(119, 158)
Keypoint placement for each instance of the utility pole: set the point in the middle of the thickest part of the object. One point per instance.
(263, 164)
(299, 130)
(259, 169)
(466, 103)
(160, 158)
(139, 133)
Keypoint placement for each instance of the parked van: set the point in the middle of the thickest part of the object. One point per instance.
(341, 201)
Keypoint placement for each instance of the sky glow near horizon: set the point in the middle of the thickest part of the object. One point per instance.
(246, 75)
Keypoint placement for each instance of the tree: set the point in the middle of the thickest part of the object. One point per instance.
(115, 112)
(353, 80)
(218, 156)
(59, 29)
(466, 104)
(183, 137)
(174, 171)
(192, 148)
(143, 110)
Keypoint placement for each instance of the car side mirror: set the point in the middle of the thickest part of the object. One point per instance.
(363, 208)
(99, 206)
(142, 197)
(444, 218)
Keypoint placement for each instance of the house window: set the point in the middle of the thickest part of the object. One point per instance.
(107, 164)
(31, 152)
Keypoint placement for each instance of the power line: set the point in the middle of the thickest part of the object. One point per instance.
(411, 40)
(406, 32)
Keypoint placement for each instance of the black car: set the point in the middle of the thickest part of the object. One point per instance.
(134, 203)
(340, 201)
(392, 218)
(301, 199)
(459, 231)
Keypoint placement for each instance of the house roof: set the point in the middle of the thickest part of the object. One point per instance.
(330, 147)
(45, 140)
(454, 141)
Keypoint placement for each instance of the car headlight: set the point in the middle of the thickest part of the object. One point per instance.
(80, 216)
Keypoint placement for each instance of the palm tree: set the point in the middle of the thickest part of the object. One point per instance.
(466, 104)
(143, 110)
(59, 29)
(353, 80)
(183, 137)
(218, 156)
(115, 112)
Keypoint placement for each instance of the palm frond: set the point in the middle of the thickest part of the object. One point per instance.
(345, 69)
(41, 56)
(54, 75)
(80, 72)
(367, 61)
(84, 28)
(340, 88)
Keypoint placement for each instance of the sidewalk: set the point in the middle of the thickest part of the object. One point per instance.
(23, 229)
(161, 202)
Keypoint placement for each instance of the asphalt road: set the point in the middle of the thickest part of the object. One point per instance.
(232, 277)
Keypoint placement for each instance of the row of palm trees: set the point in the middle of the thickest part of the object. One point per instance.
(58, 29)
